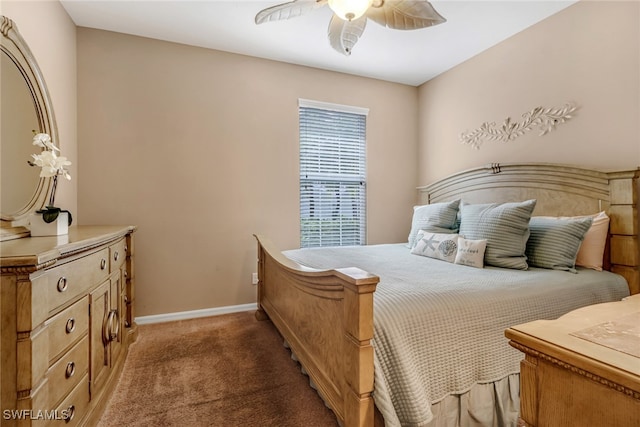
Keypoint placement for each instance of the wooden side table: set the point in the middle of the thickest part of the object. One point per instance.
(582, 369)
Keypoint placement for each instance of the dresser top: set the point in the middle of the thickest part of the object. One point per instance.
(37, 251)
(604, 334)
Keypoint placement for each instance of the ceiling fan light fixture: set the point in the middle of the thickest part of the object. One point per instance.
(350, 17)
(349, 10)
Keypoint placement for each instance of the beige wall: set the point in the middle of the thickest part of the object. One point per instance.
(51, 36)
(199, 149)
(588, 53)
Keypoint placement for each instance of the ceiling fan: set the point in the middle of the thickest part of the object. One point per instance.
(350, 17)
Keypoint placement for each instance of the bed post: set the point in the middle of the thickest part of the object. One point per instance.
(358, 321)
(624, 226)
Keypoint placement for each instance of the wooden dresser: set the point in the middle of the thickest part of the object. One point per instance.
(582, 369)
(66, 308)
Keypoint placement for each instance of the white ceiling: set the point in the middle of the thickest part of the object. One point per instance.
(409, 57)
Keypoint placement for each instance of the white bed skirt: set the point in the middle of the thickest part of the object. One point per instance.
(495, 404)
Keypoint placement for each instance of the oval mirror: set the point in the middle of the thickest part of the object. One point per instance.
(25, 107)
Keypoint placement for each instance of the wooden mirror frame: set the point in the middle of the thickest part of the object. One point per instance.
(15, 47)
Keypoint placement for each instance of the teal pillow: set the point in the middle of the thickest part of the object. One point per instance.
(554, 242)
(505, 226)
(434, 218)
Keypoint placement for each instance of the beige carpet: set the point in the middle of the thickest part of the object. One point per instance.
(226, 371)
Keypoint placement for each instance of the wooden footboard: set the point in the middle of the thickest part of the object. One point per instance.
(326, 317)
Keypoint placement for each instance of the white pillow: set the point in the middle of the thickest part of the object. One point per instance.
(436, 245)
(471, 252)
(591, 251)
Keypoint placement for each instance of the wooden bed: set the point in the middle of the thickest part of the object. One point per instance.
(337, 353)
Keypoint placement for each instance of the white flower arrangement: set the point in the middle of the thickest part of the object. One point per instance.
(52, 165)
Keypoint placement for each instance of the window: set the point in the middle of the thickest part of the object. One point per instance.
(332, 174)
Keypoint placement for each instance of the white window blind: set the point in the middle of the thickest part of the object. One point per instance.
(332, 175)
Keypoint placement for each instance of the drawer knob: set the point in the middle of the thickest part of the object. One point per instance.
(71, 410)
(103, 264)
(116, 255)
(71, 325)
(62, 284)
(71, 369)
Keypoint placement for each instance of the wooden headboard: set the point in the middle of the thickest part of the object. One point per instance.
(560, 190)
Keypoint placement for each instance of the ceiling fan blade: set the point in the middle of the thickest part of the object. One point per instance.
(343, 35)
(405, 14)
(292, 9)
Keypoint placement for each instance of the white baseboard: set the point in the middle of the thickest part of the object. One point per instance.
(193, 314)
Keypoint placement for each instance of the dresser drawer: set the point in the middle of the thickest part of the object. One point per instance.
(75, 406)
(67, 327)
(117, 254)
(68, 281)
(67, 372)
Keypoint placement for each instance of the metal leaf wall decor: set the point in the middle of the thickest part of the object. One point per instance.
(545, 119)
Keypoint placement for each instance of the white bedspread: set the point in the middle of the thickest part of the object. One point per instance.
(439, 327)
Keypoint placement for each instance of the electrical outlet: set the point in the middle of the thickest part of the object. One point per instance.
(254, 278)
